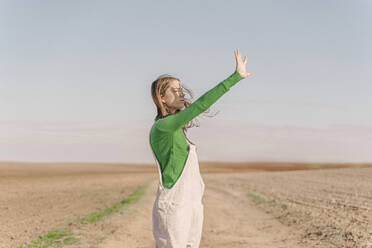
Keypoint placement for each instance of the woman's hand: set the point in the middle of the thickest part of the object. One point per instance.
(240, 65)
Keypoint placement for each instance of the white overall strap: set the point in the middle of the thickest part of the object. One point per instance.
(156, 160)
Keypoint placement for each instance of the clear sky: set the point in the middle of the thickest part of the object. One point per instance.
(75, 78)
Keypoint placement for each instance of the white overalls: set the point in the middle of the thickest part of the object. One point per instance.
(177, 214)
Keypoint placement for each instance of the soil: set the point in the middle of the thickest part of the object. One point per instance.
(245, 204)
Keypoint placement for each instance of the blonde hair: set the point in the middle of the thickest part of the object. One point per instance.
(158, 88)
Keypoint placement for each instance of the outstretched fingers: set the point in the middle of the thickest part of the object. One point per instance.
(240, 65)
(236, 56)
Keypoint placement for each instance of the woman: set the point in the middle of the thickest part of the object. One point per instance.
(177, 214)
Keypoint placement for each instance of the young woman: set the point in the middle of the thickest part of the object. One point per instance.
(177, 214)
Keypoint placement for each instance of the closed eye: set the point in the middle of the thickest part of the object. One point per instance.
(179, 90)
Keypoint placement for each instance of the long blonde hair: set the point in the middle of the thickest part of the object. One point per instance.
(158, 88)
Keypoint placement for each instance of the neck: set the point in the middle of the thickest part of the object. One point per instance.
(172, 111)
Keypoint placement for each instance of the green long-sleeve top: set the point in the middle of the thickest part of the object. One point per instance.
(167, 138)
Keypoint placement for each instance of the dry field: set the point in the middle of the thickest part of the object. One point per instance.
(245, 205)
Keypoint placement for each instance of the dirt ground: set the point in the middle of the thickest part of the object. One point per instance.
(245, 205)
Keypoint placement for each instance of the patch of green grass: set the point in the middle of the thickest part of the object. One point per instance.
(59, 238)
(70, 241)
(258, 199)
(94, 217)
(272, 203)
(52, 238)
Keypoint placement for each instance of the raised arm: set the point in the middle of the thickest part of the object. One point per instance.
(176, 121)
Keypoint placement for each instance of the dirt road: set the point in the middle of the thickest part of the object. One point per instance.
(231, 220)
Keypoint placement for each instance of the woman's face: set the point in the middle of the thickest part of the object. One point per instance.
(174, 97)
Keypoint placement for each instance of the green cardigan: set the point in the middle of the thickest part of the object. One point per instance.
(167, 138)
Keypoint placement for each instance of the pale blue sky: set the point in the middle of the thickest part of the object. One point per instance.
(75, 77)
